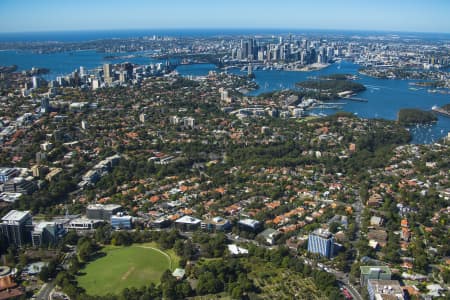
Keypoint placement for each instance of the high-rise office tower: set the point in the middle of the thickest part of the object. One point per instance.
(16, 226)
(107, 73)
(35, 82)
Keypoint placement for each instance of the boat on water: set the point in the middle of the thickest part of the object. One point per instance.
(373, 87)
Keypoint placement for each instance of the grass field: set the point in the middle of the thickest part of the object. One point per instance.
(123, 267)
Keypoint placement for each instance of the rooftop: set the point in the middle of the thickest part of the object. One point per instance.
(269, 233)
(217, 221)
(235, 250)
(121, 217)
(179, 273)
(188, 220)
(85, 221)
(39, 227)
(5, 171)
(17, 180)
(250, 222)
(323, 233)
(4, 270)
(104, 206)
(386, 287)
(367, 269)
(15, 215)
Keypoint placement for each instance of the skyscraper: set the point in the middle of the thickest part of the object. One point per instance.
(122, 76)
(35, 82)
(244, 49)
(250, 70)
(322, 242)
(45, 105)
(107, 73)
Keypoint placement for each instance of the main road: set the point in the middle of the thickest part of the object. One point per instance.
(46, 289)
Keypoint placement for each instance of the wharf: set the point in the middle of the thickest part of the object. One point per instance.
(440, 111)
(356, 99)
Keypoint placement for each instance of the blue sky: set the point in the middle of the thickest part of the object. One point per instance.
(389, 15)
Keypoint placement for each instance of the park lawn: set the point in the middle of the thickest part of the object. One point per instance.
(125, 267)
(173, 257)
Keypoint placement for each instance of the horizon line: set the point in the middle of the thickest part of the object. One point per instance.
(224, 28)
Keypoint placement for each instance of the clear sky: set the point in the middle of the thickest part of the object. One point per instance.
(390, 15)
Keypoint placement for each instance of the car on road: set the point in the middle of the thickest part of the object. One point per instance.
(346, 294)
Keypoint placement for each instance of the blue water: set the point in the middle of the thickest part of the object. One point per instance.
(385, 97)
(89, 35)
(196, 69)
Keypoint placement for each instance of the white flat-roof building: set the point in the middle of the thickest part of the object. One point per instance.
(15, 217)
(235, 250)
(384, 289)
(10, 197)
(179, 273)
(84, 224)
(188, 223)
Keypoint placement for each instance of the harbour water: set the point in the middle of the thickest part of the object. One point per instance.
(385, 97)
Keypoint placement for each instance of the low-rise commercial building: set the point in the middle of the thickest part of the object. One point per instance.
(19, 185)
(249, 225)
(188, 223)
(8, 173)
(120, 221)
(102, 212)
(384, 289)
(268, 236)
(84, 224)
(47, 233)
(216, 224)
(374, 272)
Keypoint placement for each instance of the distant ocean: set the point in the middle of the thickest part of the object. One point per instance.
(89, 35)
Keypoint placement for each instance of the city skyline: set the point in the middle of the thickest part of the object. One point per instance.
(407, 16)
